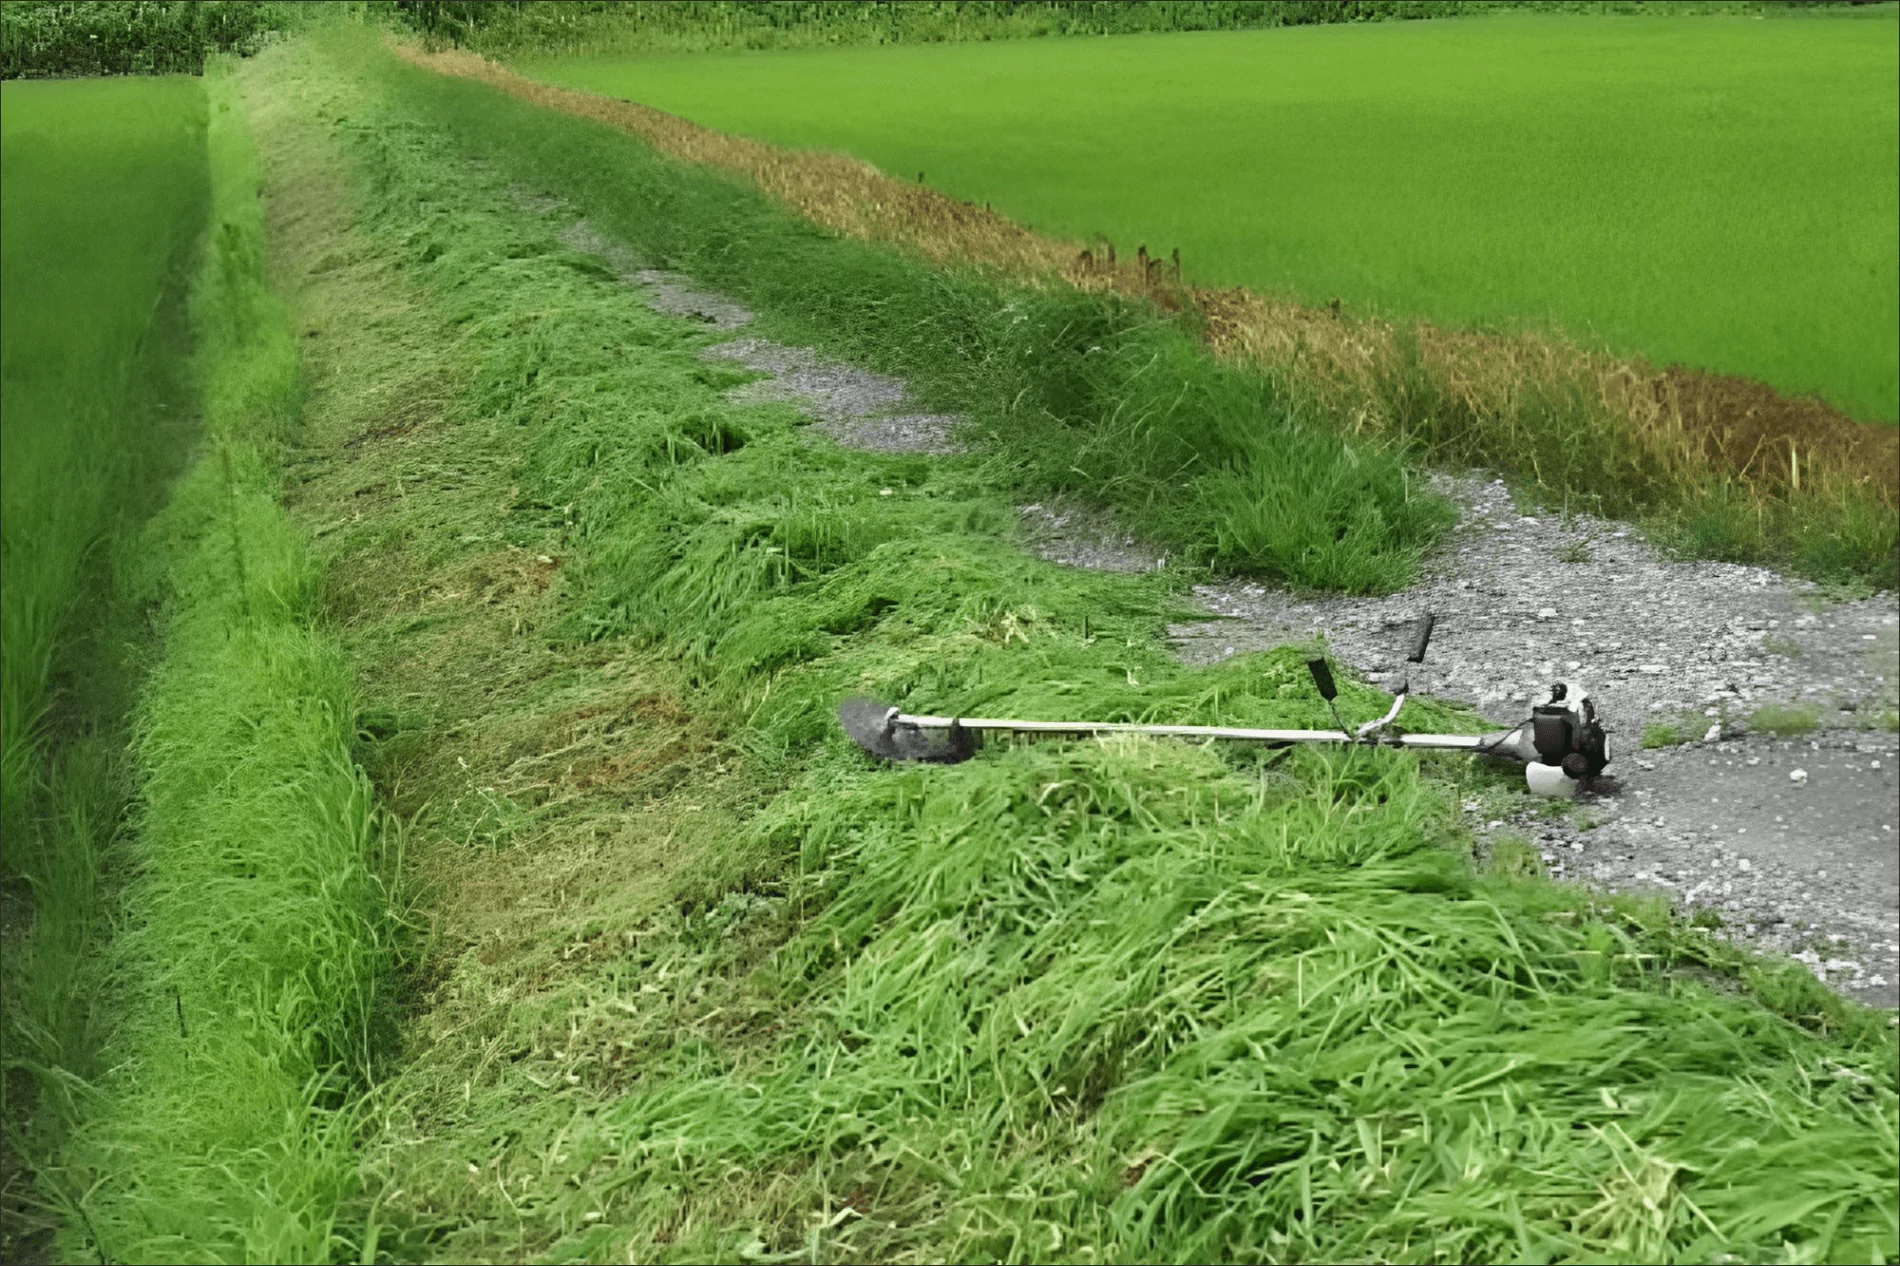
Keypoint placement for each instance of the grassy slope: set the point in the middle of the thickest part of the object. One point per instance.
(1718, 192)
(251, 933)
(705, 984)
(1218, 463)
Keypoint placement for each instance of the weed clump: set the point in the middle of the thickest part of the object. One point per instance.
(1783, 720)
(1668, 733)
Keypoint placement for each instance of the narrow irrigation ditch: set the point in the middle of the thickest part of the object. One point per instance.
(204, 964)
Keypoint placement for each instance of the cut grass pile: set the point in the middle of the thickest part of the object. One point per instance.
(251, 936)
(707, 985)
(1715, 192)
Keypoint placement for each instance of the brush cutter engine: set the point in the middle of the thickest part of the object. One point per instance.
(1562, 745)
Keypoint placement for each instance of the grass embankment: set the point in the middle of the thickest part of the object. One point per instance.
(251, 934)
(104, 200)
(1719, 467)
(706, 984)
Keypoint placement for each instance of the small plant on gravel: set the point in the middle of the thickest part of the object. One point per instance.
(1514, 856)
(1783, 719)
(1707, 917)
(1665, 734)
(1574, 552)
(1777, 644)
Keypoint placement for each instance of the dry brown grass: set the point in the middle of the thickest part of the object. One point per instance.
(1681, 424)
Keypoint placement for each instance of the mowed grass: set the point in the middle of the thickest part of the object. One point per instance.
(1716, 191)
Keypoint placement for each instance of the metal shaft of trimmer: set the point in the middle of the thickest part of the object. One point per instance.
(1462, 742)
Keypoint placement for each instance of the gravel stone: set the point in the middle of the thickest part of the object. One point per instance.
(1083, 536)
(668, 292)
(1805, 852)
(853, 406)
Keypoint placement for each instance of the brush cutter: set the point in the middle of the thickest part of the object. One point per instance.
(1561, 745)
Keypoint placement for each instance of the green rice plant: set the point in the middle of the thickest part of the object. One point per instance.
(104, 201)
(1783, 719)
(1337, 161)
(256, 943)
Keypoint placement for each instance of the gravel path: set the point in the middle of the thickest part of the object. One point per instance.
(1789, 837)
(855, 407)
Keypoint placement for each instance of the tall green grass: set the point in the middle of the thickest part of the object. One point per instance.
(255, 937)
(1718, 192)
(154, 37)
(1104, 1001)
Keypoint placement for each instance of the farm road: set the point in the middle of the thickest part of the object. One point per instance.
(1790, 840)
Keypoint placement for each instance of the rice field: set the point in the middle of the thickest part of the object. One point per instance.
(104, 193)
(102, 204)
(1717, 191)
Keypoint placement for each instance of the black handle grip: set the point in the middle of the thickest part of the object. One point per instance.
(1424, 637)
(1323, 678)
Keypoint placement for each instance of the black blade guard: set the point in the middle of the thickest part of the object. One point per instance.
(874, 727)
